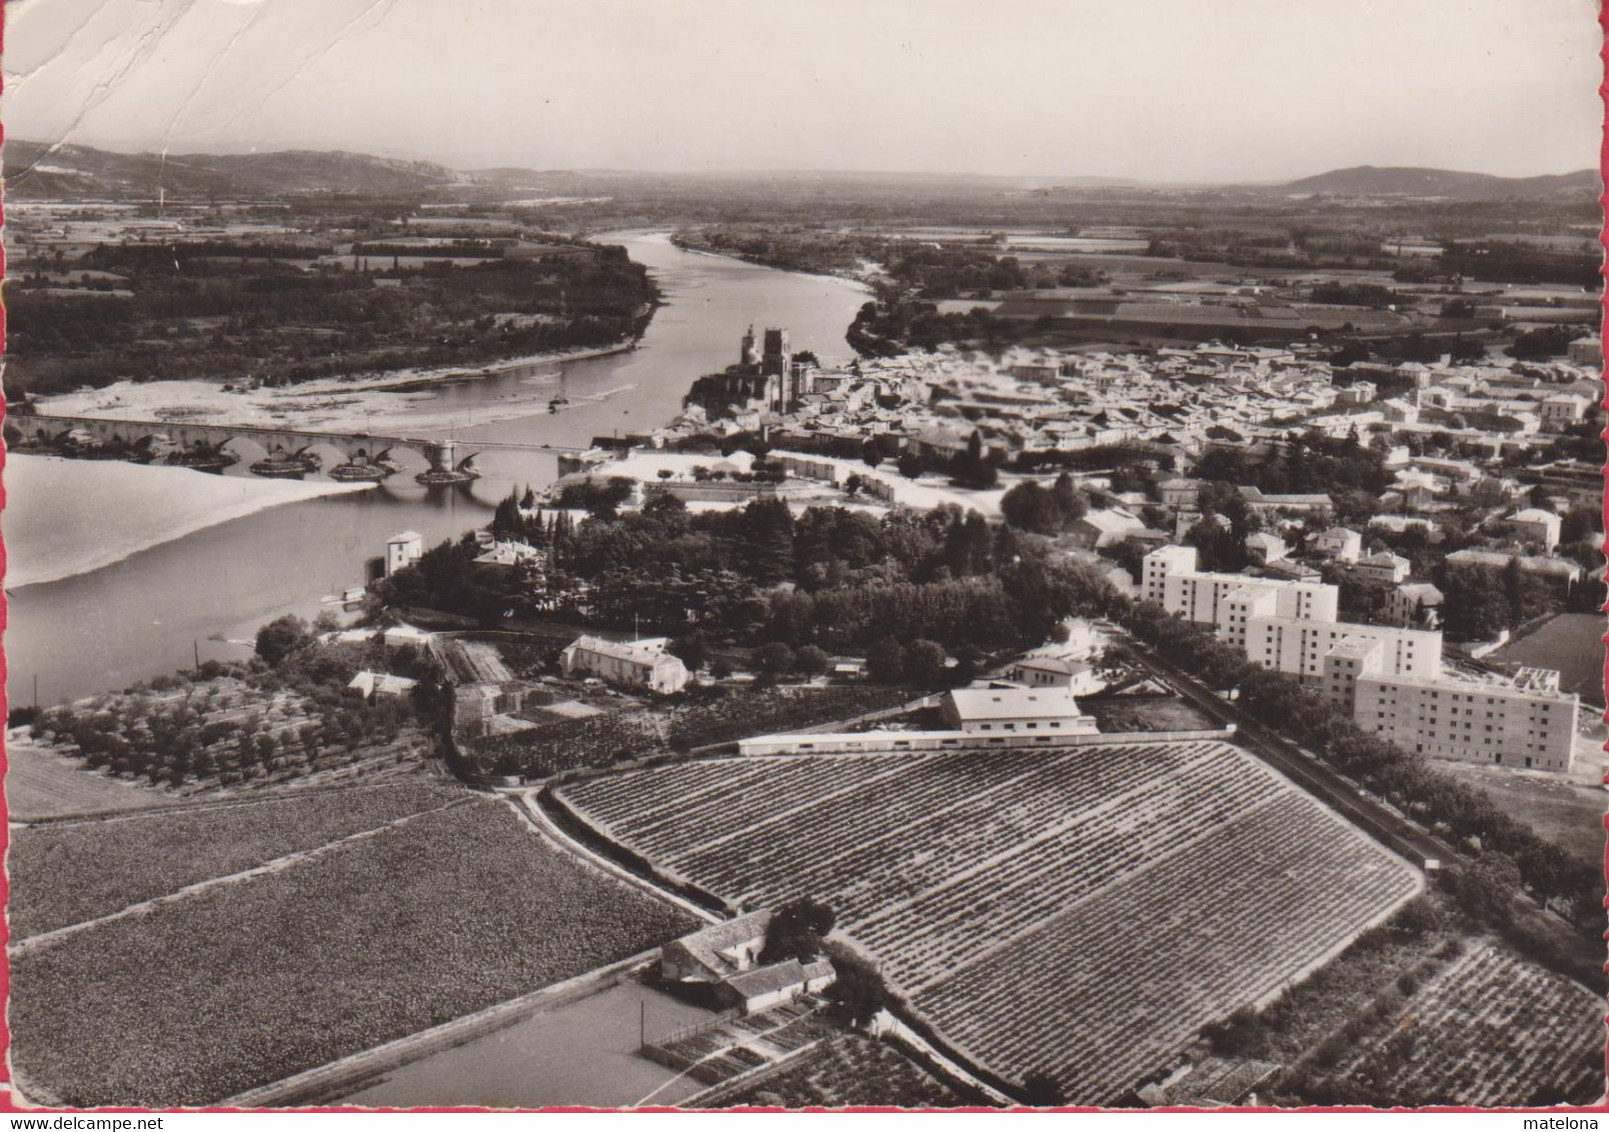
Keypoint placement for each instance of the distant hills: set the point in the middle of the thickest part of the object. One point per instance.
(1409, 181)
(35, 170)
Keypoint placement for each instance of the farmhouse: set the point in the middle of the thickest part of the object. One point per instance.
(1015, 709)
(776, 983)
(1100, 529)
(1586, 351)
(1049, 670)
(726, 958)
(634, 664)
(377, 685)
(711, 954)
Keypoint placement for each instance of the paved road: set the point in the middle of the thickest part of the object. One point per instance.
(1304, 768)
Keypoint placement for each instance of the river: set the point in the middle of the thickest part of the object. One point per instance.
(149, 612)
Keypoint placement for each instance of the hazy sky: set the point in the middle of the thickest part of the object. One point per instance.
(1193, 90)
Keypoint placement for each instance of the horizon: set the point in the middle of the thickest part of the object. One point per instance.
(1067, 178)
(1159, 93)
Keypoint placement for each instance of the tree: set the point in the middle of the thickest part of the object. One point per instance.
(858, 993)
(1485, 889)
(924, 663)
(1041, 1090)
(281, 637)
(885, 661)
(811, 660)
(797, 931)
(690, 649)
(773, 659)
(910, 465)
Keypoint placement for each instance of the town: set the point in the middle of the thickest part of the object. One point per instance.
(952, 563)
(691, 563)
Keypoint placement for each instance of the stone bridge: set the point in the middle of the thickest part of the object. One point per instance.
(366, 454)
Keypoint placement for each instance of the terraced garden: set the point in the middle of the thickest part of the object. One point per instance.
(1080, 912)
(244, 984)
(1490, 1030)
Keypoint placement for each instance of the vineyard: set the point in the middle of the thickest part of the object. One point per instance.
(68, 872)
(1080, 912)
(247, 983)
(1489, 1030)
(846, 1069)
(606, 739)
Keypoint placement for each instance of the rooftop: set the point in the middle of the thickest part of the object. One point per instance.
(1012, 703)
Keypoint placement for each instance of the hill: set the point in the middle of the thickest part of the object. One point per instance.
(35, 170)
(1371, 180)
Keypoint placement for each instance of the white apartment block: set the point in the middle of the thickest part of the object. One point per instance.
(1390, 679)
(1169, 577)
(1300, 645)
(1524, 722)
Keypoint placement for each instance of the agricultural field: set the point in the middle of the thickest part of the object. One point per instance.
(847, 1069)
(1569, 642)
(245, 984)
(65, 873)
(1081, 912)
(45, 783)
(1489, 1030)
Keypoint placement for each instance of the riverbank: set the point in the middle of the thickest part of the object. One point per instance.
(863, 276)
(364, 403)
(53, 510)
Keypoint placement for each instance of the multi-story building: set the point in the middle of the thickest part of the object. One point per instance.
(1390, 679)
(1338, 543)
(1170, 578)
(1385, 568)
(1299, 647)
(403, 550)
(634, 664)
(1415, 603)
(1521, 722)
(1535, 525)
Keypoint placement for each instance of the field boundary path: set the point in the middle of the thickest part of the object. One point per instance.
(278, 864)
(529, 809)
(206, 803)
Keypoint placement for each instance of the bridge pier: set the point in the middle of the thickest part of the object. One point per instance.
(443, 469)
